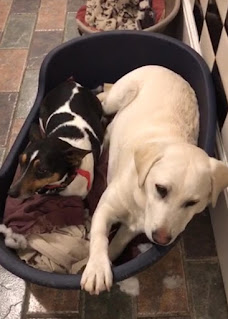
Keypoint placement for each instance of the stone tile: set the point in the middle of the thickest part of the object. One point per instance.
(198, 238)
(74, 5)
(42, 43)
(18, 32)
(27, 93)
(71, 29)
(16, 127)
(162, 287)
(7, 106)
(12, 65)
(207, 291)
(109, 305)
(5, 6)
(25, 6)
(12, 290)
(52, 301)
(52, 15)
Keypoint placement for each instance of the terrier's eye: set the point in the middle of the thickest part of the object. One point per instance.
(162, 190)
(42, 171)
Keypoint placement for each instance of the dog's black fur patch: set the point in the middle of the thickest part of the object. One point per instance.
(71, 132)
(56, 98)
(56, 120)
(91, 115)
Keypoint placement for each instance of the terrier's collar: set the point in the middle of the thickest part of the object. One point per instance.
(57, 188)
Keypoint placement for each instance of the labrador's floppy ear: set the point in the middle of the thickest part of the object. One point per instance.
(145, 157)
(219, 174)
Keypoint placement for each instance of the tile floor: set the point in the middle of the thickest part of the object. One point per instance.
(185, 284)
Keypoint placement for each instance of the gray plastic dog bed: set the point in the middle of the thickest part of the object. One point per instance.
(93, 60)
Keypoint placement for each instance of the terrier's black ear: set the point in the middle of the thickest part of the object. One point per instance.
(75, 155)
(34, 133)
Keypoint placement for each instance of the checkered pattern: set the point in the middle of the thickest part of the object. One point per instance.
(211, 17)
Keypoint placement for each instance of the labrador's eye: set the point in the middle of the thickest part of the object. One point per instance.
(190, 203)
(162, 190)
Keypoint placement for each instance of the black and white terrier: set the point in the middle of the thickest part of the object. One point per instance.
(65, 146)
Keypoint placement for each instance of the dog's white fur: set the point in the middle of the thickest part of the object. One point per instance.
(153, 141)
(130, 286)
(13, 240)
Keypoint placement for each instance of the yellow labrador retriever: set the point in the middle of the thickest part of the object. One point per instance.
(158, 179)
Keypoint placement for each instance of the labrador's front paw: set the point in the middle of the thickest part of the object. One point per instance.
(97, 275)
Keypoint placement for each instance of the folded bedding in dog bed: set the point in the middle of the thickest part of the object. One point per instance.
(100, 15)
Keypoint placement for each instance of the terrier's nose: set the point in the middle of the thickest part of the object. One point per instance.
(13, 192)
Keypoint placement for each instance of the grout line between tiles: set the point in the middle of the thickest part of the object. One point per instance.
(211, 260)
(164, 315)
(50, 315)
(81, 304)
(185, 276)
(22, 13)
(48, 30)
(65, 22)
(25, 302)
(189, 295)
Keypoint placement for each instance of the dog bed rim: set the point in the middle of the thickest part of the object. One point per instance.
(72, 281)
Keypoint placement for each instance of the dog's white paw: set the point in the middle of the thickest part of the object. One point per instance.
(97, 275)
